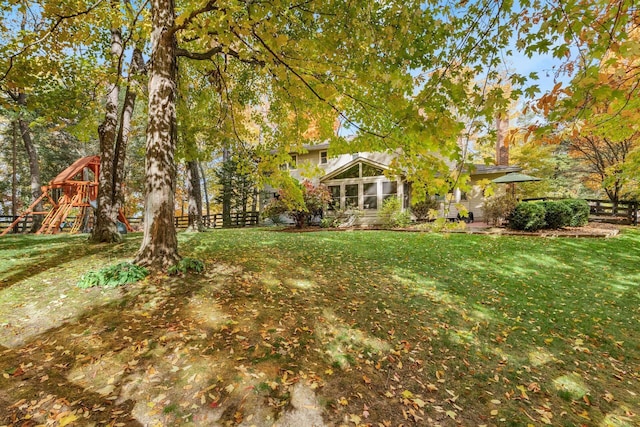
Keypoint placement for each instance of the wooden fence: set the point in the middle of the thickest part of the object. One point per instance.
(623, 212)
(240, 219)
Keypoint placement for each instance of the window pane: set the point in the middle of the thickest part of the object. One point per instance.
(371, 189)
(370, 199)
(370, 202)
(390, 187)
(335, 197)
(368, 170)
(352, 172)
(323, 157)
(351, 195)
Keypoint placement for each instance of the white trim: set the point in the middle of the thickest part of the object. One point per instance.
(353, 162)
(326, 157)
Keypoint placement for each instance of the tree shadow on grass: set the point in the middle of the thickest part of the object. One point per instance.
(372, 326)
(32, 258)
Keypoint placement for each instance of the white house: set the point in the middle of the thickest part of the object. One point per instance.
(358, 180)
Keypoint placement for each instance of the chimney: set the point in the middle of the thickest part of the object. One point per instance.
(502, 144)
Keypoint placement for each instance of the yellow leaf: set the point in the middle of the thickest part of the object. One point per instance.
(407, 394)
(67, 420)
(494, 412)
(419, 402)
(354, 419)
(451, 414)
(343, 401)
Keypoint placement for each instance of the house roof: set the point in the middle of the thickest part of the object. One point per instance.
(313, 147)
(357, 159)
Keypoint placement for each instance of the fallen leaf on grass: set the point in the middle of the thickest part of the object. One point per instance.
(67, 420)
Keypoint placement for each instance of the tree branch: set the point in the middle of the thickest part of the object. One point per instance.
(210, 6)
(49, 32)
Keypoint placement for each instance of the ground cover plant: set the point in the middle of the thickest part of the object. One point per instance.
(342, 328)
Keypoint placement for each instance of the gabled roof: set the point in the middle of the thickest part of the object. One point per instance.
(353, 162)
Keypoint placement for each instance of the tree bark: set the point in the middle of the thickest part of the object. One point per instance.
(194, 193)
(206, 193)
(105, 230)
(34, 162)
(226, 189)
(122, 140)
(14, 174)
(159, 249)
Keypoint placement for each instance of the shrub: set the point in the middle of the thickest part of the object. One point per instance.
(579, 212)
(423, 210)
(300, 209)
(113, 276)
(528, 216)
(391, 214)
(273, 211)
(498, 208)
(186, 265)
(558, 214)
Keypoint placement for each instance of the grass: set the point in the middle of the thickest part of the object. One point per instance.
(380, 327)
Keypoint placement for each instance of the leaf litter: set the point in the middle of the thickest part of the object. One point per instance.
(369, 331)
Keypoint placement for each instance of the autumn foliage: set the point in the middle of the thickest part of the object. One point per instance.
(300, 210)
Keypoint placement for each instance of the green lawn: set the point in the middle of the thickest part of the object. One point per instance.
(359, 328)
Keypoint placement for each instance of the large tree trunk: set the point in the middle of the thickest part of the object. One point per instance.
(194, 193)
(227, 190)
(105, 229)
(122, 140)
(34, 162)
(206, 194)
(159, 249)
(14, 174)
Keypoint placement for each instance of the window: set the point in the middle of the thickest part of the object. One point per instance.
(389, 189)
(350, 196)
(323, 157)
(360, 170)
(368, 170)
(352, 172)
(370, 199)
(335, 197)
(294, 162)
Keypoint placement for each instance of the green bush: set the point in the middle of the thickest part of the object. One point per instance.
(113, 276)
(528, 216)
(498, 208)
(391, 214)
(424, 210)
(558, 214)
(579, 212)
(186, 265)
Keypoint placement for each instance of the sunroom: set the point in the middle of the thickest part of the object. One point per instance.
(362, 184)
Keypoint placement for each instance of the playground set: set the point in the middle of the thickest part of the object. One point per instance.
(77, 191)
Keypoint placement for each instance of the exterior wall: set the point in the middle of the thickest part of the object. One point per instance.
(312, 158)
